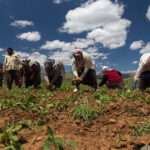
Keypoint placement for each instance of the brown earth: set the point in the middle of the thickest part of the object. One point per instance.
(100, 134)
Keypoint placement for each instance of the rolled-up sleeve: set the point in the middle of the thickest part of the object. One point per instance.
(74, 70)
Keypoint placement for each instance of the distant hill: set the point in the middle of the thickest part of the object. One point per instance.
(69, 75)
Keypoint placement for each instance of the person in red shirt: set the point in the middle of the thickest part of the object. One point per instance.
(112, 78)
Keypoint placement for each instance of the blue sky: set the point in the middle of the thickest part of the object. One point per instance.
(115, 32)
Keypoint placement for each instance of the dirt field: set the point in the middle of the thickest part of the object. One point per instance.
(113, 129)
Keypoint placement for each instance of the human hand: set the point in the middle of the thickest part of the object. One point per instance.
(4, 70)
(78, 79)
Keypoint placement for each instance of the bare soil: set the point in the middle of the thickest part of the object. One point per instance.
(99, 134)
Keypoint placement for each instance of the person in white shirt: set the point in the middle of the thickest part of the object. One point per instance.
(83, 68)
(143, 73)
(10, 66)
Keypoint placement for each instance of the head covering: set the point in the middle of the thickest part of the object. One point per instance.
(25, 62)
(49, 63)
(105, 68)
(76, 52)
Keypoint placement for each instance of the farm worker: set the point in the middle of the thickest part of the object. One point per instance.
(10, 66)
(112, 78)
(83, 68)
(1, 74)
(143, 73)
(53, 73)
(32, 73)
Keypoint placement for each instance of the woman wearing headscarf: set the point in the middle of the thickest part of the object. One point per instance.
(32, 73)
(112, 78)
(53, 73)
(83, 68)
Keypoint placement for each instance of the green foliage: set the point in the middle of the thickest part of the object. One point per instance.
(26, 124)
(127, 94)
(83, 111)
(122, 139)
(141, 130)
(9, 137)
(103, 98)
(57, 142)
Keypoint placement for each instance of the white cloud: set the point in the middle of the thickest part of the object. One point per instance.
(134, 62)
(93, 51)
(136, 45)
(78, 43)
(56, 44)
(30, 36)
(148, 13)
(64, 56)
(21, 23)
(102, 19)
(1, 49)
(145, 49)
(36, 56)
(83, 43)
(92, 15)
(112, 35)
(23, 55)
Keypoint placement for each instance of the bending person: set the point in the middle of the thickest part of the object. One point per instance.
(32, 73)
(53, 73)
(83, 68)
(112, 78)
(143, 73)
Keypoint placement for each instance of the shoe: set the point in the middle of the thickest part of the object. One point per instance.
(75, 90)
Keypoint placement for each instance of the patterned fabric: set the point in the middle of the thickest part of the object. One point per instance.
(11, 62)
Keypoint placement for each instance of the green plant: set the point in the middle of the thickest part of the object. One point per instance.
(141, 130)
(26, 124)
(9, 137)
(57, 142)
(83, 111)
(122, 139)
(103, 98)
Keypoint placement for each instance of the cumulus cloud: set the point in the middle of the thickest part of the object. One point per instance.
(56, 44)
(23, 55)
(36, 56)
(112, 35)
(145, 49)
(90, 16)
(78, 43)
(136, 45)
(22, 23)
(148, 13)
(64, 56)
(30, 36)
(1, 49)
(102, 19)
(82, 43)
(134, 62)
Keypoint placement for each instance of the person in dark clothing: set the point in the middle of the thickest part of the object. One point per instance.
(32, 73)
(1, 74)
(112, 78)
